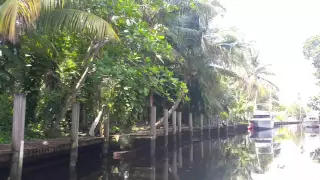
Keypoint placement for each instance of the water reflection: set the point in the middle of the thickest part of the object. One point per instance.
(241, 157)
(292, 152)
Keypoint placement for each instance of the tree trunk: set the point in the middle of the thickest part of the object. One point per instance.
(173, 108)
(92, 50)
(96, 121)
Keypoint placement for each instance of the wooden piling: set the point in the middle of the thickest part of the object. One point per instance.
(72, 173)
(174, 157)
(153, 116)
(106, 131)
(190, 122)
(201, 121)
(18, 127)
(191, 154)
(210, 143)
(191, 144)
(74, 133)
(180, 157)
(105, 168)
(179, 121)
(153, 159)
(166, 160)
(165, 121)
(227, 127)
(218, 124)
(180, 150)
(174, 122)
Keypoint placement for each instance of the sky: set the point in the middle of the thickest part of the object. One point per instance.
(279, 28)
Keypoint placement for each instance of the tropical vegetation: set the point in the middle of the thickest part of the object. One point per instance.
(311, 52)
(125, 54)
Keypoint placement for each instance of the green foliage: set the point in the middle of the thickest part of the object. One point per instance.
(166, 51)
(279, 118)
(314, 103)
(294, 110)
(5, 112)
(311, 51)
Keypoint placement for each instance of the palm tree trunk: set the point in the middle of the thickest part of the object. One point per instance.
(173, 108)
(92, 50)
(96, 121)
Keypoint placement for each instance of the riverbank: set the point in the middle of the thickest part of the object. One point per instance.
(38, 150)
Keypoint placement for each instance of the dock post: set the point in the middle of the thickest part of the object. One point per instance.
(209, 126)
(106, 131)
(201, 121)
(174, 157)
(202, 149)
(227, 127)
(191, 138)
(18, 127)
(153, 116)
(218, 124)
(190, 122)
(105, 169)
(166, 159)
(179, 121)
(153, 159)
(153, 132)
(165, 121)
(210, 145)
(72, 173)
(74, 134)
(180, 154)
(209, 131)
(191, 153)
(174, 122)
(166, 132)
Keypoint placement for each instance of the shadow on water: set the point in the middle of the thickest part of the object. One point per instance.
(198, 156)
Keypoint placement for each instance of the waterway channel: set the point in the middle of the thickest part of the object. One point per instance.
(291, 152)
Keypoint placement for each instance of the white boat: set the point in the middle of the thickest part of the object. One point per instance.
(262, 120)
(264, 149)
(312, 120)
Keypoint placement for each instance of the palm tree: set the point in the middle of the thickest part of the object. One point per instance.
(16, 15)
(257, 75)
(19, 16)
(186, 30)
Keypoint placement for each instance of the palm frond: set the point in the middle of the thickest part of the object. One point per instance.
(17, 14)
(78, 20)
(228, 72)
(8, 18)
(270, 83)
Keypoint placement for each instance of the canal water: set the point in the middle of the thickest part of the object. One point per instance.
(290, 152)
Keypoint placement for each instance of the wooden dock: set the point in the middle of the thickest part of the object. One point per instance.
(279, 123)
(38, 148)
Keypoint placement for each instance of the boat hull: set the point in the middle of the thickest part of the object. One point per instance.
(311, 124)
(266, 134)
(262, 124)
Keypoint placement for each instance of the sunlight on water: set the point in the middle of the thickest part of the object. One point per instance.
(295, 160)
